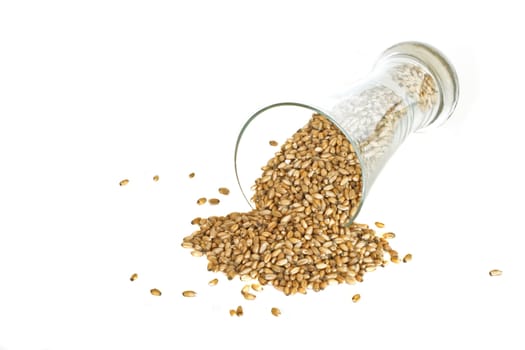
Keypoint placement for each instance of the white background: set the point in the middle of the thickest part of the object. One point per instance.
(92, 92)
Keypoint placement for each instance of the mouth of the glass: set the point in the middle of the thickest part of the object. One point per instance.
(277, 122)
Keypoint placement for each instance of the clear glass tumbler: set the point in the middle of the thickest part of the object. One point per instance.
(412, 87)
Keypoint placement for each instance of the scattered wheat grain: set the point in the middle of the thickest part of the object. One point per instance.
(276, 311)
(223, 190)
(495, 272)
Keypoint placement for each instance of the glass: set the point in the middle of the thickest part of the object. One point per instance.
(412, 87)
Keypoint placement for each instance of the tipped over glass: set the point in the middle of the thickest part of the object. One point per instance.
(412, 87)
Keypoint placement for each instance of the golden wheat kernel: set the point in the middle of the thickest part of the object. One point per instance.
(356, 298)
(189, 294)
(196, 221)
(233, 312)
(133, 277)
(223, 190)
(155, 292)
(282, 262)
(273, 143)
(389, 235)
(156, 178)
(321, 266)
(257, 287)
(213, 282)
(124, 182)
(186, 245)
(379, 224)
(213, 201)
(249, 296)
(407, 258)
(495, 272)
(191, 175)
(276, 311)
(196, 253)
(245, 278)
(239, 311)
(201, 201)
(245, 288)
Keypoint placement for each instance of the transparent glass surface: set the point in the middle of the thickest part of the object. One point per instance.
(412, 87)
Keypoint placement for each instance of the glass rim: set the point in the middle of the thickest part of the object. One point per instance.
(318, 110)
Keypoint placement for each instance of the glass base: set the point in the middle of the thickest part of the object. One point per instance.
(439, 66)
